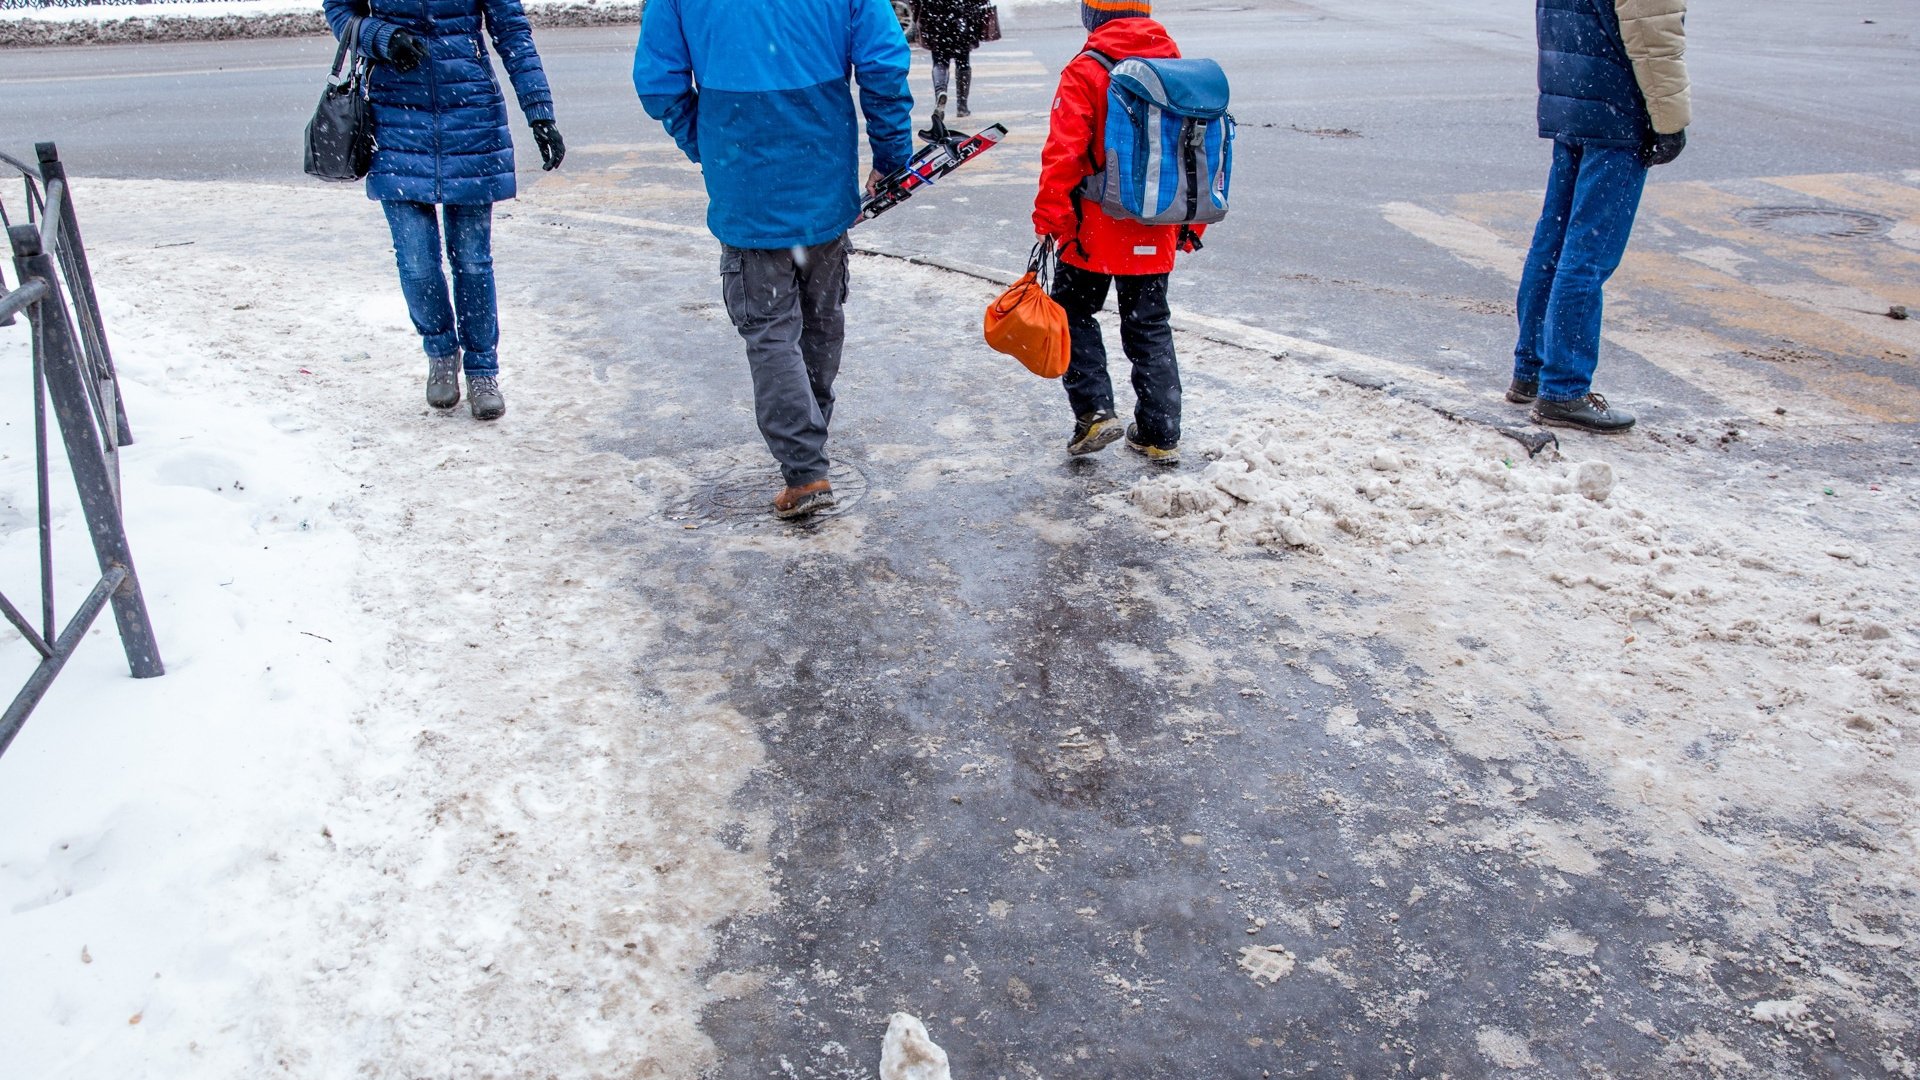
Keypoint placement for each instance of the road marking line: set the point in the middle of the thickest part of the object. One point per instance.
(1216, 329)
(642, 224)
(1724, 259)
(1694, 356)
(1257, 339)
(318, 69)
(1469, 241)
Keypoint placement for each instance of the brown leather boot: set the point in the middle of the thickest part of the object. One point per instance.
(803, 500)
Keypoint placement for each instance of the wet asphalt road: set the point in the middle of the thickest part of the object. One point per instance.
(1036, 782)
(1437, 96)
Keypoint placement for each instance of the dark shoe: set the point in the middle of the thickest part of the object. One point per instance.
(484, 398)
(1590, 413)
(803, 500)
(1523, 391)
(960, 109)
(1092, 432)
(1159, 455)
(443, 380)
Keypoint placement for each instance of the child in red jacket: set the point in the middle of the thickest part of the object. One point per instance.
(1096, 250)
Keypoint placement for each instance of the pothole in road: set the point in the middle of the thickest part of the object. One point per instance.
(1823, 222)
(734, 487)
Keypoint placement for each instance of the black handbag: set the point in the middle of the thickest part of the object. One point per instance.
(340, 135)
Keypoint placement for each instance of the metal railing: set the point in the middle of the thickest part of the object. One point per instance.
(74, 371)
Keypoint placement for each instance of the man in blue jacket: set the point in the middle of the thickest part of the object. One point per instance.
(756, 93)
(1614, 98)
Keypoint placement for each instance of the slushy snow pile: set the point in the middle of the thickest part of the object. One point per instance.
(1717, 636)
(1667, 569)
(394, 808)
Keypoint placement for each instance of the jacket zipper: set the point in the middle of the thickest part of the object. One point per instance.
(433, 96)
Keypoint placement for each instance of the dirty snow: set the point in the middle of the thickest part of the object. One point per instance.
(907, 1052)
(1728, 643)
(395, 807)
(204, 9)
(398, 807)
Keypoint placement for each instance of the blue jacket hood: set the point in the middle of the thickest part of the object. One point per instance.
(758, 93)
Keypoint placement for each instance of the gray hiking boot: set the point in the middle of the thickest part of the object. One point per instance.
(1523, 391)
(1094, 431)
(484, 397)
(443, 380)
(1590, 413)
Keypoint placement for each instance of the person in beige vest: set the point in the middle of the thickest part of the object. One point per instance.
(1615, 100)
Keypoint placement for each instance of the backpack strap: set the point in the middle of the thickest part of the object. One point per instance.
(1093, 163)
(1106, 62)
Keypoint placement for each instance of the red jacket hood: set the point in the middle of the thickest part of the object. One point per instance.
(1123, 38)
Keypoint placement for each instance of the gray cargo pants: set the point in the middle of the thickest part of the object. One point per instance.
(788, 305)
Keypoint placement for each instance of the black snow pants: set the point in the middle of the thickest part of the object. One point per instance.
(1145, 335)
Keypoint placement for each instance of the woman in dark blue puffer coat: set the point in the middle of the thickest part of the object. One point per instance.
(441, 139)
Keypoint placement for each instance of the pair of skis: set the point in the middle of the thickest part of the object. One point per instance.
(940, 156)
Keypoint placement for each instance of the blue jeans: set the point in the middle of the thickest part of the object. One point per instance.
(416, 246)
(1592, 196)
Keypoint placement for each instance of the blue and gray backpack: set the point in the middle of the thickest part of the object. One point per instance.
(1169, 142)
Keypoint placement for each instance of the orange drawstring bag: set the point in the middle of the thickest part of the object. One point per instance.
(1026, 323)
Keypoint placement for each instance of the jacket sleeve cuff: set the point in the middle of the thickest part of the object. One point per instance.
(375, 36)
(540, 110)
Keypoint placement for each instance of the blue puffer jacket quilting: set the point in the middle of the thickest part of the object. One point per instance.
(757, 92)
(1588, 91)
(440, 130)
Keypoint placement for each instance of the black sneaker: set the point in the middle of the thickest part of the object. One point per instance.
(1159, 455)
(484, 397)
(443, 380)
(1590, 413)
(1523, 391)
(1093, 432)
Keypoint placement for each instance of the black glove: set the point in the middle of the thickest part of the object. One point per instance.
(1662, 149)
(553, 149)
(405, 51)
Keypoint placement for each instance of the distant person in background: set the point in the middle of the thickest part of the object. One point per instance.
(951, 30)
(1614, 98)
(441, 140)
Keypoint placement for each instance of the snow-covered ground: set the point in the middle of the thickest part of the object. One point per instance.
(425, 793)
(181, 9)
(217, 9)
(392, 808)
(220, 20)
(1723, 643)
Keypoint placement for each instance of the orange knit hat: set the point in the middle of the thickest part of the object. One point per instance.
(1094, 13)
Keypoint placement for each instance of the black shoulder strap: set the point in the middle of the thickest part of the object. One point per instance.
(349, 52)
(1100, 58)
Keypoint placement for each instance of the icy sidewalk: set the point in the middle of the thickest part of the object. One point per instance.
(570, 761)
(396, 803)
